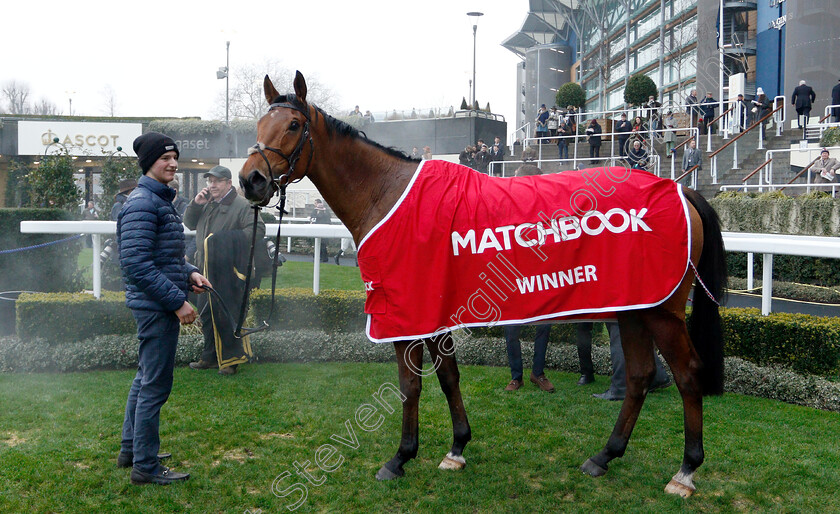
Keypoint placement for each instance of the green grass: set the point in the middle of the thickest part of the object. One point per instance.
(291, 274)
(59, 436)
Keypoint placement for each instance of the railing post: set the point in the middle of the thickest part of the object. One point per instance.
(673, 156)
(750, 264)
(97, 268)
(316, 275)
(714, 170)
(760, 136)
(735, 157)
(708, 140)
(767, 284)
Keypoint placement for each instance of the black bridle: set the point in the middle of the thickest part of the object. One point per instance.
(291, 159)
(280, 184)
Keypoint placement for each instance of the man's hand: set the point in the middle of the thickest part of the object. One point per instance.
(186, 313)
(203, 196)
(197, 279)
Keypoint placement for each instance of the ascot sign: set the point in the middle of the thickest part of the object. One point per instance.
(79, 138)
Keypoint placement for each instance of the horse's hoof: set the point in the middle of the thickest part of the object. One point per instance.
(590, 468)
(456, 462)
(386, 474)
(683, 490)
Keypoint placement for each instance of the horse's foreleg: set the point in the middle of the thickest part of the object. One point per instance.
(672, 338)
(442, 351)
(409, 363)
(640, 367)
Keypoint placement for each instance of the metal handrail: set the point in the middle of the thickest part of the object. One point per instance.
(724, 113)
(758, 124)
(804, 170)
(689, 171)
(753, 172)
(683, 143)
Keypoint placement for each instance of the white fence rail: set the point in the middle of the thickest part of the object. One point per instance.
(766, 244)
(99, 228)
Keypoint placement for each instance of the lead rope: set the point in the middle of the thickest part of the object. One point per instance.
(700, 280)
(238, 333)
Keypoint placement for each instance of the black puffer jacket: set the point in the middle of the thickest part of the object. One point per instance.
(150, 238)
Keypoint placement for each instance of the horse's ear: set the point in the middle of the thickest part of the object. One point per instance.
(270, 92)
(300, 86)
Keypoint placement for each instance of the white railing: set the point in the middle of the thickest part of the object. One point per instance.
(97, 228)
(766, 178)
(539, 141)
(654, 164)
(777, 244)
(514, 136)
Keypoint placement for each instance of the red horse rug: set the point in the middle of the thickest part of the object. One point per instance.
(462, 249)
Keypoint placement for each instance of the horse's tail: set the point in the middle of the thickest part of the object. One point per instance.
(705, 325)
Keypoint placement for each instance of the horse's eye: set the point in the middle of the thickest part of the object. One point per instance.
(294, 125)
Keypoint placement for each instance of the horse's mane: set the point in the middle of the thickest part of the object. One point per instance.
(341, 128)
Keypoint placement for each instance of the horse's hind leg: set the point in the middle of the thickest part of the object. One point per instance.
(673, 341)
(409, 363)
(641, 368)
(442, 351)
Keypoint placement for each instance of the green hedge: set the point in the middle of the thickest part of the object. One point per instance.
(806, 344)
(815, 214)
(803, 343)
(72, 316)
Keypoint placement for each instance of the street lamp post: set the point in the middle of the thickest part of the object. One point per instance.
(224, 73)
(474, 14)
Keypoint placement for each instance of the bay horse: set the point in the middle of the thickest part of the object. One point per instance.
(362, 180)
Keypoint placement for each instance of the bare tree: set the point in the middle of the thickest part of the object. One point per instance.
(16, 95)
(45, 107)
(247, 99)
(109, 101)
(681, 35)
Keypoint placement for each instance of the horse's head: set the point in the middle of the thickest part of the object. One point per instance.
(284, 148)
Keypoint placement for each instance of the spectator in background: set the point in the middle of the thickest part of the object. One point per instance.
(618, 381)
(563, 133)
(224, 225)
(691, 157)
(653, 112)
(638, 156)
(356, 112)
(707, 109)
(496, 153)
(835, 100)
(514, 346)
(640, 129)
(553, 121)
(623, 128)
(691, 108)
(497, 141)
(670, 134)
(802, 98)
(482, 159)
(321, 216)
(741, 112)
(824, 169)
(368, 117)
(466, 157)
(529, 153)
(427, 153)
(415, 153)
(89, 214)
(760, 109)
(126, 186)
(593, 135)
(542, 122)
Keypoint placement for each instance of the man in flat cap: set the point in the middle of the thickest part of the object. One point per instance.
(223, 222)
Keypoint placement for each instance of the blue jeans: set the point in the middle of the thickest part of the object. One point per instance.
(514, 350)
(563, 149)
(158, 336)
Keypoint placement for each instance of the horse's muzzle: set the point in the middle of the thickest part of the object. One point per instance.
(257, 188)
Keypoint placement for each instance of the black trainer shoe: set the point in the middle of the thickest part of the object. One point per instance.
(164, 477)
(585, 379)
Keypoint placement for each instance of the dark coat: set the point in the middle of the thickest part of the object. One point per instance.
(119, 201)
(150, 238)
(802, 97)
(594, 133)
(707, 109)
(232, 213)
(835, 100)
(623, 126)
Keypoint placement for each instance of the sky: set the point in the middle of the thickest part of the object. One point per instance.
(160, 58)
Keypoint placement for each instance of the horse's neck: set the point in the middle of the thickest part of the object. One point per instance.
(359, 182)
